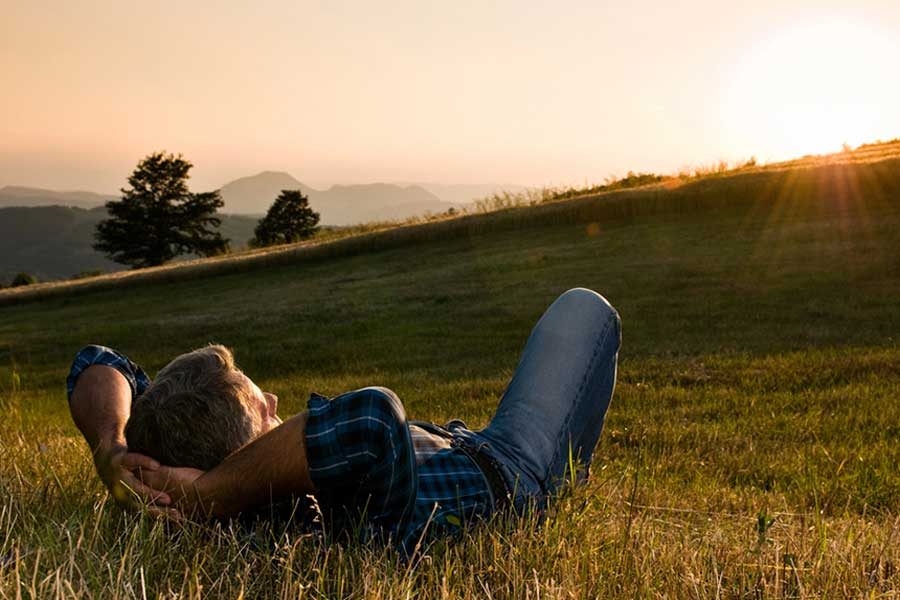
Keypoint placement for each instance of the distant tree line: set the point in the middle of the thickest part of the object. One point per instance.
(158, 218)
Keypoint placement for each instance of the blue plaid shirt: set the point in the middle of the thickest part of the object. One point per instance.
(409, 481)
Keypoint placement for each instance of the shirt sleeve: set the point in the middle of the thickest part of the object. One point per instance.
(361, 456)
(101, 355)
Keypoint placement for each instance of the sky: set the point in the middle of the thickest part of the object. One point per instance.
(523, 92)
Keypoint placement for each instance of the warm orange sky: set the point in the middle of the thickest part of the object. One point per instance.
(534, 93)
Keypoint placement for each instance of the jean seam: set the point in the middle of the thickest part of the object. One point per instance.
(597, 345)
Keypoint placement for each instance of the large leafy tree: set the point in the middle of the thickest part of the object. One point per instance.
(158, 218)
(290, 219)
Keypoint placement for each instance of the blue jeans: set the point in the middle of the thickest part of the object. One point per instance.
(552, 412)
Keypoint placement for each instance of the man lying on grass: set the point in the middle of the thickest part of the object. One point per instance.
(204, 439)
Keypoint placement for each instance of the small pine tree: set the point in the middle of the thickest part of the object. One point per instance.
(290, 219)
(23, 279)
(158, 218)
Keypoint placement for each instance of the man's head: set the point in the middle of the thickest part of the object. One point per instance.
(200, 409)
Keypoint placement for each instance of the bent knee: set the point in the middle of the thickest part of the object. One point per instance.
(589, 302)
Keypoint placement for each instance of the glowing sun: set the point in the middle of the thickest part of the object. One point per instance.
(812, 87)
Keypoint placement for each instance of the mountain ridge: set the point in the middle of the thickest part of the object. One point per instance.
(339, 204)
(25, 196)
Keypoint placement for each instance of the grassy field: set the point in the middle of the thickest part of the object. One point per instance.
(752, 448)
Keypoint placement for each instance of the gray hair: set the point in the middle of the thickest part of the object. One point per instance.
(196, 412)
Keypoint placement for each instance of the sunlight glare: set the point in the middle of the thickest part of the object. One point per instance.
(811, 88)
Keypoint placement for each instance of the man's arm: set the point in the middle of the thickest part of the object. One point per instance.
(272, 467)
(100, 403)
(354, 451)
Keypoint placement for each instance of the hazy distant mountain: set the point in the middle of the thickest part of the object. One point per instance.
(50, 233)
(349, 204)
(54, 242)
(463, 193)
(51, 242)
(13, 195)
(339, 204)
(253, 195)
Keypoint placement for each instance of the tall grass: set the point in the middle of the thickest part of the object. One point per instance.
(621, 536)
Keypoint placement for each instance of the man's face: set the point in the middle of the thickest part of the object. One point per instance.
(265, 403)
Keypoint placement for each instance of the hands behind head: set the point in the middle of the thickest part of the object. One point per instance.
(176, 483)
(137, 481)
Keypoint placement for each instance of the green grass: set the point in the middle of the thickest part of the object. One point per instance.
(751, 449)
(865, 178)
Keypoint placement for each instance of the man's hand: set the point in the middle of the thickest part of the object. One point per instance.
(258, 473)
(178, 485)
(121, 472)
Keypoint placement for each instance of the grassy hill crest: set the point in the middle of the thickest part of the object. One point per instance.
(870, 173)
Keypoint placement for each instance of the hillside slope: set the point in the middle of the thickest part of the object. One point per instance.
(750, 449)
(826, 187)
